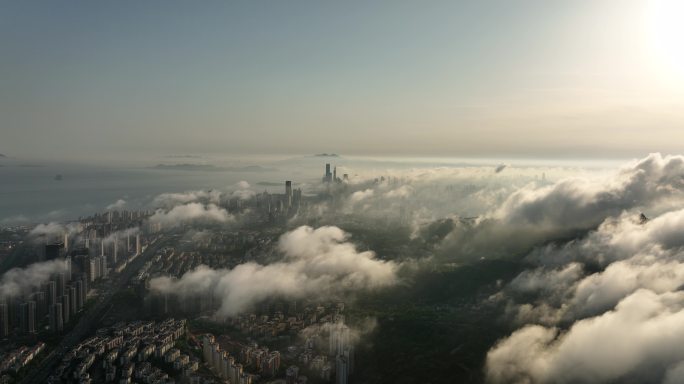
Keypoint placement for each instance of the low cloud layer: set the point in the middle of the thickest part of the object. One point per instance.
(535, 215)
(639, 340)
(20, 281)
(191, 213)
(169, 200)
(53, 230)
(117, 205)
(607, 306)
(316, 263)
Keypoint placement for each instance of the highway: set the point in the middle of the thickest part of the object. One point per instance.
(93, 316)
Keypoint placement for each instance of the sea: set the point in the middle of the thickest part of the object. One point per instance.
(41, 191)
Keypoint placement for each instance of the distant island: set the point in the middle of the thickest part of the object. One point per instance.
(327, 155)
(213, 168)
(1, 155)
(184, 156)
(187, 167)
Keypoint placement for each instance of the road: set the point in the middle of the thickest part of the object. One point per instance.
(93, 315)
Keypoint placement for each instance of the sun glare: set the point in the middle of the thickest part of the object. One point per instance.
(667, 35)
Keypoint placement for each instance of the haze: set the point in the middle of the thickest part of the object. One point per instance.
(581, 78)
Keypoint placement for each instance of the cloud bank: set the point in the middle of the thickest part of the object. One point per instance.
(606, 306)
(316, 263)
(535, 215)
(191, 213)
(20, 281)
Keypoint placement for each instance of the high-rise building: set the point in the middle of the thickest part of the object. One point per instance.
(93, 269)
(339, 339)
(73, 300)
(41, 304)
(4, 320)
(138, 245)
(56, 318)
(28, 317)
(60, 282)
(288, 193)
(53, 251)
(66, 308)
(291, 374)
(50, 289)
(86, 285)
(116, 251)
(341, 370)
(328, 176)
(67, 265)
(79, 294)
(349, 355)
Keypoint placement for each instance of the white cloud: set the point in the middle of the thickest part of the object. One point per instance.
(169, 200)
(117, 205)
(20, 281)
(192, 212)
(640, 339)
(359, 196)
(317, 263)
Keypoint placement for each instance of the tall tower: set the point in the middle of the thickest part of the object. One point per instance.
(56, 318)
(341, 370)
(116, 251)
(28, 317)
(4, 320)
(288, 193)
(328, 175)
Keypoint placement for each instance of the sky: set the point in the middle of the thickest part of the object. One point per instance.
(528, 78)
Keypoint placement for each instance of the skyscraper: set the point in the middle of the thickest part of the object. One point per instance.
(4, 320)
(60, 282)
(288, 193)
(66, 308)
(28, 317)
(53, 251)
(67, 265)
(341, 370)
(116, 251)
(328, 176)
(56, 318)
(73, 299)
(50, 288)
(80, 296)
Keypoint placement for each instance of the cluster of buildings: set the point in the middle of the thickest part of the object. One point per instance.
(265, 362)
(20, 357)
(126, 353)
(222, 363)
(331, 177)
(55, 302)
(323, 359)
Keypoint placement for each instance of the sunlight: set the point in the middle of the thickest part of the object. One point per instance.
(667, 36)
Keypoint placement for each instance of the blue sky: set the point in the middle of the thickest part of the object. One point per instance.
(429, 78)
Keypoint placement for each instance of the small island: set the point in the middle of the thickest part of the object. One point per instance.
(209, 167)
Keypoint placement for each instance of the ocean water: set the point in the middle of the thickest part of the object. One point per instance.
(31, 194)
